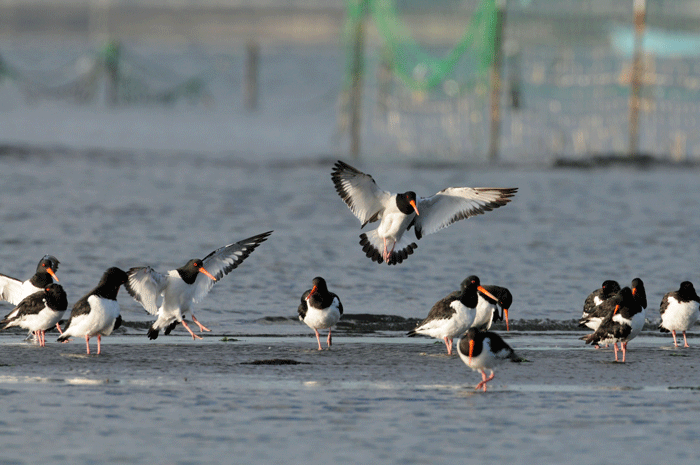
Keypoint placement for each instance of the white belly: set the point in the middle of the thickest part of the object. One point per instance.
(322, 319)
(680, 316)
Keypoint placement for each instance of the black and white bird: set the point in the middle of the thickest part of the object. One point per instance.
(179, 289)
(623, 325)
(484, 350)
(13, 290)
(609, 289)
(39, 312)
(487, 308)
(97, 313)
(679, 311)
(607, 303)
(397, 213)
(451, 316)
(320, 309)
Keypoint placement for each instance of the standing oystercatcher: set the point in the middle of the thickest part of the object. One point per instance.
(39, 311)
(451, 316)
(609, 289)
(320, 309)
(679, 311)
(184, 286)
(623, 325)
(397, 213)
(97, 313)
(607, 303)
(484, 350)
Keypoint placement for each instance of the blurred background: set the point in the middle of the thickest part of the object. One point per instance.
(485, 81)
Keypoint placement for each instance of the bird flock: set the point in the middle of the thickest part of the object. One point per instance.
(614, 314)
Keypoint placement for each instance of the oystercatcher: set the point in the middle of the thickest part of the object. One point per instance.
(320, 309)
(397, 213)
(39, 311)
(484, 350)
(623, 325)
(97, 313)
(451, 316)
(184, 286)
(679, 311)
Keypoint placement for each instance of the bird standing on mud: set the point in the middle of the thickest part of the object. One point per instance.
(320, 309)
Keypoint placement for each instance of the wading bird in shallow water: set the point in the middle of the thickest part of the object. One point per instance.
(605, 306)
(320, 309)
(484, 350)
(608, 290)
(397, 213)
(451, 316)
(13, 290)
(623, 325)
(187, 285)
(97, 313)
(39, 312)
(679, 311)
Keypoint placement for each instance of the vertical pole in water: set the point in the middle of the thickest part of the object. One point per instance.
(636, 78)
(356, 77)
(495, 75)
(250, 89)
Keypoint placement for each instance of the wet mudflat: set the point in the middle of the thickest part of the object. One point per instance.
(392, 399)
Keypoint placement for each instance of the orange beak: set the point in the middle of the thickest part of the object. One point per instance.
(413, 204)
(485, 292)
(505, 312)
(53, 275)
(206, 273)
(617, 307)
(313, 289)
(471, 350)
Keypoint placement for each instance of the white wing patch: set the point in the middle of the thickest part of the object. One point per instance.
(145, 285)
(457, 203)
(360, 192)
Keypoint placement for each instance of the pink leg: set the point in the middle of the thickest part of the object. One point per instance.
(615, 347)
(448, 344)
(623, 346)
(99, 337)
(194, 336)
(318, 339)
(685, 340)
(42, 338)
(201, 326)
(673, 333)
(87, 343)
(58, 327)
(328, 341)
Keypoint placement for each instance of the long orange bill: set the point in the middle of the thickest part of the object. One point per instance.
(413, 204)
(487, 293)
(617, 307)
(471, 349)
(505, 312)
(53, 275)
(206, 273)
(313, 289)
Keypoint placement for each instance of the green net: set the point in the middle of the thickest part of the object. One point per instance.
(416, 67)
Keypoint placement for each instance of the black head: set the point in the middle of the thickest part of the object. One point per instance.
(56, 296)
(406, 203)
(610, 287)
(471, 282)
(687, 291)
(319, 287)
(110, 282)
(191, 270)
(639, 293)
(47, 265)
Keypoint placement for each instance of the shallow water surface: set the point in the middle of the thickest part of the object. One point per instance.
(377, 396)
